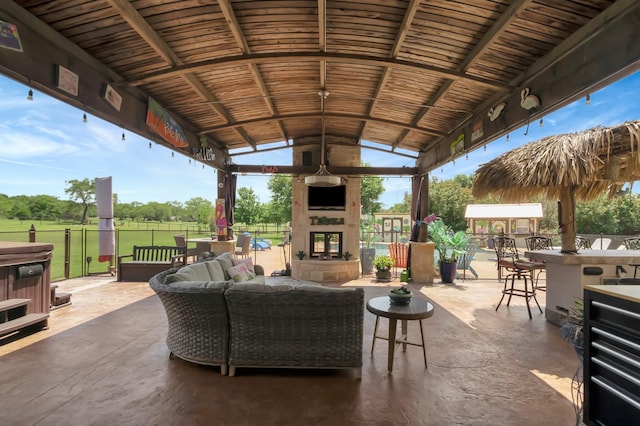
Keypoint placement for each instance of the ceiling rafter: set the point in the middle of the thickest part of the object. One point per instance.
(203, 66)
(238, 35)
(397, 45)
(567, 46)
(496, 30)
(130, 14)
(319, 116)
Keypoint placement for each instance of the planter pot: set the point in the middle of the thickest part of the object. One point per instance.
(367, 254)
(384, 275)
(448, 272)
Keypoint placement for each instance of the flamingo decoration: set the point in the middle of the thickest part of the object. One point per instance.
(528, 101)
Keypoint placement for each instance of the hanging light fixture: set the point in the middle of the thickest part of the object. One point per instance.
(84, 117)
(172, 154)
(322, 177)
(588, 100)
(149, 145)
(541, 123)
(123, 136)
(507, 137)
(30, 95)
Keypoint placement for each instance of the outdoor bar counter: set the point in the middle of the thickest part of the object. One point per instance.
(568, 274)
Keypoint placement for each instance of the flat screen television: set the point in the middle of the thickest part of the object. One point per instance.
(327, 197)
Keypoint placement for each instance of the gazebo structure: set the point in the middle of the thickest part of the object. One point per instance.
(217, 80)
(565, 167)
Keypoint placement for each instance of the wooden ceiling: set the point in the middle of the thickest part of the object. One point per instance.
(411, 75)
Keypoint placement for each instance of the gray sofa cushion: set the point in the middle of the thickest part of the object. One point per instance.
(202, 284)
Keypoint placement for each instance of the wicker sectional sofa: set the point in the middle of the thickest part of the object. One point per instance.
(252, 324)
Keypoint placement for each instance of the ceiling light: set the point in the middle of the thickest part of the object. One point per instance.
(322, 178)
(30, 95)
(323, 93)
(123, 136)
(588, 100)
(84, 117)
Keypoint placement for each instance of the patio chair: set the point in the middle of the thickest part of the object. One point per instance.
(399, 252)
(190, 252)
(583, 243)
(464, 261)
(243, 246)
(538, 242)
(633, 243)
(517, 269)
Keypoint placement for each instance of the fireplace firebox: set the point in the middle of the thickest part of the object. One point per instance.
(326, 245)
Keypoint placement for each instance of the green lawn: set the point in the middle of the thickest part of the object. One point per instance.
(83, 240)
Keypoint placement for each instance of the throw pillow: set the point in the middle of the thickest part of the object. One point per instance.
(248, 261)
(240, 273)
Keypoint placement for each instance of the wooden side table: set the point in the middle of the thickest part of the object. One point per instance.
(418, 309)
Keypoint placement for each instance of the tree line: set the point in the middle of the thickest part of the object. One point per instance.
(447, 198)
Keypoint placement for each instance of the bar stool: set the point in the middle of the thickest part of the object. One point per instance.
(538, 242)
(633, 243)
(516, 268)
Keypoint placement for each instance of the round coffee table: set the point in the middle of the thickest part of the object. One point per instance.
(418, 309)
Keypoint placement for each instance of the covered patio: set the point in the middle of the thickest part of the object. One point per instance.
(104, 361)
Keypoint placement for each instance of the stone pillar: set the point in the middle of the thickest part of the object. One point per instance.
(422, 267)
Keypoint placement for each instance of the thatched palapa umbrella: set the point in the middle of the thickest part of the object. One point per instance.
(580, 165)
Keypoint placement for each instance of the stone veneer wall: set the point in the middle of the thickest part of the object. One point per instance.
(326, 270)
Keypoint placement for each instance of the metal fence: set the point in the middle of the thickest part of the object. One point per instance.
(75, 251)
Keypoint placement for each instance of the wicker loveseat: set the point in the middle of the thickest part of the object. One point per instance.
(251, 324)
(301, 326)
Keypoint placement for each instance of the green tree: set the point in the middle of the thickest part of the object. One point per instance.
(198, 210)
(6, 205)
(281, 204)
(248, 209)
(370, 191)
(597, 216)
(83, 190)
(628, 215)
(448, 199)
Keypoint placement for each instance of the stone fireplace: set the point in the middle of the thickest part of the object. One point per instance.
(326, 221)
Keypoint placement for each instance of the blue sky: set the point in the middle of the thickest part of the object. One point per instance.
(45, 143)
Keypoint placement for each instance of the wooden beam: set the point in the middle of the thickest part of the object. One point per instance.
(272, 57)
(309, 170)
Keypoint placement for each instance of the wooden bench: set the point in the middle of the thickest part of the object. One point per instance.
(147, 261)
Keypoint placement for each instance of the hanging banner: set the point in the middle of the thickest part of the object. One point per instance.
(221, 219)
(163, 124)
(106, 232)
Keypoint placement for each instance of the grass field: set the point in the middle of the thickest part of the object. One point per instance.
(83, 240)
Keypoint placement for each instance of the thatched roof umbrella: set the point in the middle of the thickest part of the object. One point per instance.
(580, 165)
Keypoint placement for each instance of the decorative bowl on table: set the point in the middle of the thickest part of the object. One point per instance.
(400, 296)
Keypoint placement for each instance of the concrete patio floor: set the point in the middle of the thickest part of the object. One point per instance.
(103, 360)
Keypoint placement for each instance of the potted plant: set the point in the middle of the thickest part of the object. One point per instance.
(383, 265)
(301, 254)
(572, 330)
(367, 253)
(449, 244)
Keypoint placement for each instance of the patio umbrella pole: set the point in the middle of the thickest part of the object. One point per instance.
(567, 219)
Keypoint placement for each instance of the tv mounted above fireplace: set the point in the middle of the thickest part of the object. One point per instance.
(327, 197)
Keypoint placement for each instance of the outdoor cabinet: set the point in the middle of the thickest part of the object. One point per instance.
(612, 354)
(25, 285)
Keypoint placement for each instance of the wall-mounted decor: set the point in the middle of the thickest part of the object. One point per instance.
(477, 131)
(159, 120)
(458, 144)
(112, 97)
(67, 80)
(528, 101)
(495, 112)
(9, 37)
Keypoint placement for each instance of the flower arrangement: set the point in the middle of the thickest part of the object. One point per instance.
(449, 244)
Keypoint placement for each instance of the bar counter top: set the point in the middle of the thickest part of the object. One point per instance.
(607, 257)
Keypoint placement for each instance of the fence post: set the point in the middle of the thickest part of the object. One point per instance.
(32, 234)
(67, 252)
